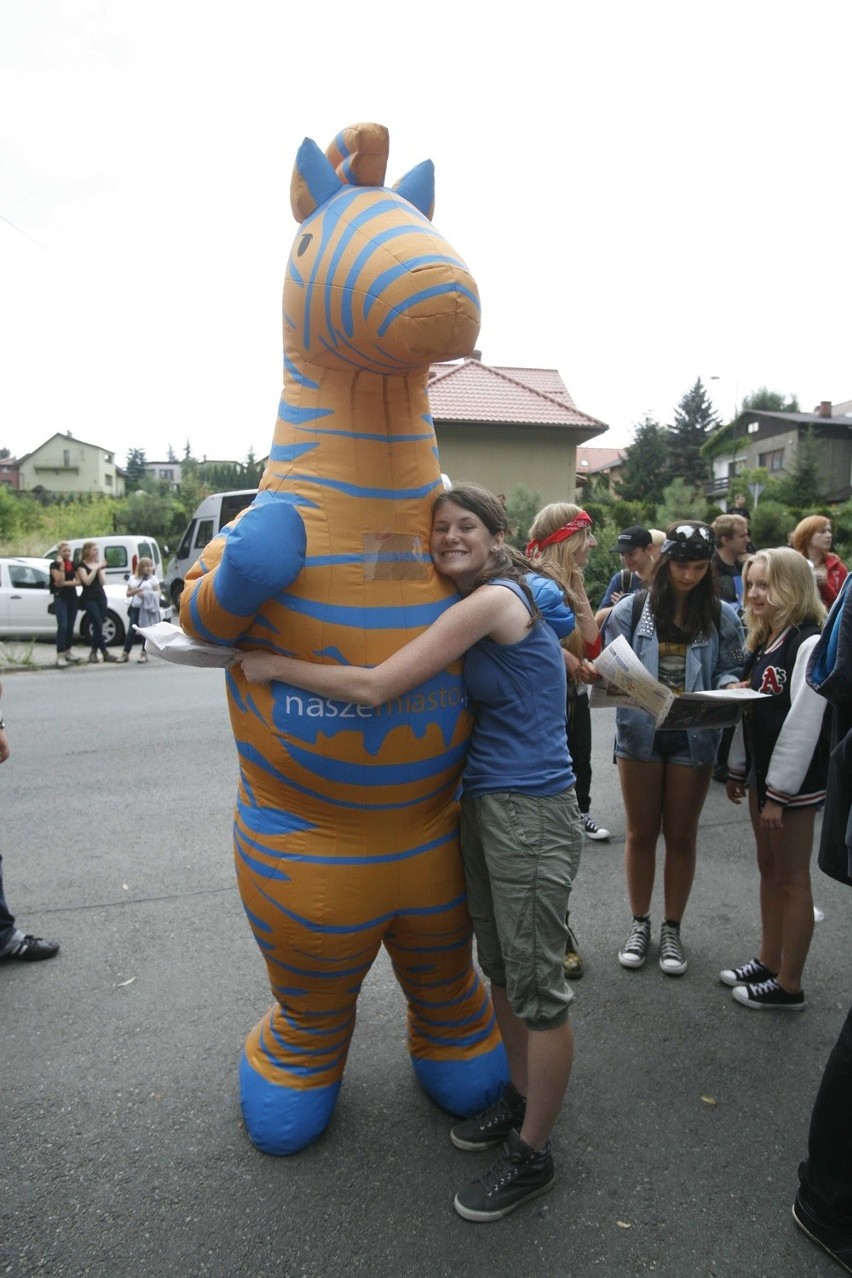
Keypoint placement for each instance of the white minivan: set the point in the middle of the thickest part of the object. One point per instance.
(210, 517)
(120, 551)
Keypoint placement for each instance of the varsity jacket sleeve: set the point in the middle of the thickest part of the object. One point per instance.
(737, 755)
(799, 735)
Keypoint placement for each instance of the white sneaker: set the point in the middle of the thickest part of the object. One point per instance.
(591, 829)
(62, 661)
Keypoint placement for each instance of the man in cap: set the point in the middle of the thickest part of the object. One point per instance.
(635, 545)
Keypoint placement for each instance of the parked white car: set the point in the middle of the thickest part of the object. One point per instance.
(25, 597)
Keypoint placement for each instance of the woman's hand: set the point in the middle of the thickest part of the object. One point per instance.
(735, 790)
(258, 667)
(772, 816)
(741, 683)
(588, 672)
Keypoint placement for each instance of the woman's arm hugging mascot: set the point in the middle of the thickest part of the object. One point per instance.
(345, 829)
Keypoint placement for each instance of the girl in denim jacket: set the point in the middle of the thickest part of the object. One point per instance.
(692, 642)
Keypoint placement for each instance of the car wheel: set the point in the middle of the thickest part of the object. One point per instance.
(176, 590)
(114, 630)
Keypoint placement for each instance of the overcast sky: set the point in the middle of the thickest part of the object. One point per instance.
(646, 192)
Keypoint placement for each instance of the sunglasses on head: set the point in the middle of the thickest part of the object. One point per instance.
(689, 532)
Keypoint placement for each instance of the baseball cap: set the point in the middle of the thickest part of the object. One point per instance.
(633, 538)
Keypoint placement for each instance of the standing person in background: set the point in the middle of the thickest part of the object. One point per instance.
(561, 537)
(16, 945)
(90, 575)
(657, 539)
(732, 545)
(823, 1206)
(812, 538)
(778, 754)
(635, 545)
(691, 641)
(143, 591)
(63, 586)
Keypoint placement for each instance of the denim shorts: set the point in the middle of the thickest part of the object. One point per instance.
(669, 747)
(520, 854)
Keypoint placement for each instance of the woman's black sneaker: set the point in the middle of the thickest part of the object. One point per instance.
(520, 1173)
(493, 1125)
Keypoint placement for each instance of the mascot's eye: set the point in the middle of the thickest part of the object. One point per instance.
(304, 243)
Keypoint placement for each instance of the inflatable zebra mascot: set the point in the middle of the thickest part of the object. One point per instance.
(345, 829)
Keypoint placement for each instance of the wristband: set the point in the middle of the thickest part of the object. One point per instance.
(2, 723)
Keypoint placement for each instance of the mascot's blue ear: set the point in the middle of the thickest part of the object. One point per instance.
(418, 187)
(314, 181)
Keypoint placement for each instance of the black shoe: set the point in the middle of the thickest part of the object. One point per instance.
(493, 1125)
(520, 1173)
(837, 1242)
(32, 949)
(751, 973)
(769, 994)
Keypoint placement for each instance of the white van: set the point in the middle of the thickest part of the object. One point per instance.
(210, 517)
(121, 551)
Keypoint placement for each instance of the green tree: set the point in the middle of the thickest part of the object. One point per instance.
(769, 401)
(681, 501)
(803, 486)
(645, 467)
(521, 509)
(694, 420)
(770, 523)
(135, 472)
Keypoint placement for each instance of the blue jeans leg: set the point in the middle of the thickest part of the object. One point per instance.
(8, 931)
(97, 616)
(827, 1175)
(66, 613)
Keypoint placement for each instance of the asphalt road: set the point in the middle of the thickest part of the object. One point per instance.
(123, 1149)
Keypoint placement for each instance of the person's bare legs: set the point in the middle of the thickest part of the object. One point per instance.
(786, 902)
(684, 792)
(539, 1065)
(642, 793)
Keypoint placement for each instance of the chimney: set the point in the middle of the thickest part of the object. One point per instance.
(824, 409)
(477, 355)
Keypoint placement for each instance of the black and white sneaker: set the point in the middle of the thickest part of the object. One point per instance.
(31, 949)
(520, 1173)
(751, 973)
(493, 1125)
(769, 994)
(635, 949)
(591, 829)
(672, 958)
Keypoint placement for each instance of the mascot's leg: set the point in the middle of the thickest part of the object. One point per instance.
(317, 957)
(293, 1060)
(453, 1039)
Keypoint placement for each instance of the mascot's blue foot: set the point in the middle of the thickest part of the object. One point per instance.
(282, 1120)
(464, 1087)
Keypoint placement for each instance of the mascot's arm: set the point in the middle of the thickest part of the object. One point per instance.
(486, 611)
(256, 559)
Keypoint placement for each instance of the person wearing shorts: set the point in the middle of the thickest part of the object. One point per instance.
(520, 834)
(691, 641)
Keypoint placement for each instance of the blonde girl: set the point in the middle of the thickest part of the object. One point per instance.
(90, 575)
(561, 538)
(779, 756)
(143, 591)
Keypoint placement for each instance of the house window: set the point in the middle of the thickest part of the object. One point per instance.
(66, 457)
(753, 428)
(167, 474)
(108, 480)
(773, 460)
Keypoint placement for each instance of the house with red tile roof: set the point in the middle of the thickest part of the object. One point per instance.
(507, 426)
(593, 461)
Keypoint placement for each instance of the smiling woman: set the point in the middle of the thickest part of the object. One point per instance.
(517, 791)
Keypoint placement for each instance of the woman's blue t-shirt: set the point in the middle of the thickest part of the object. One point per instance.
(516, 693)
